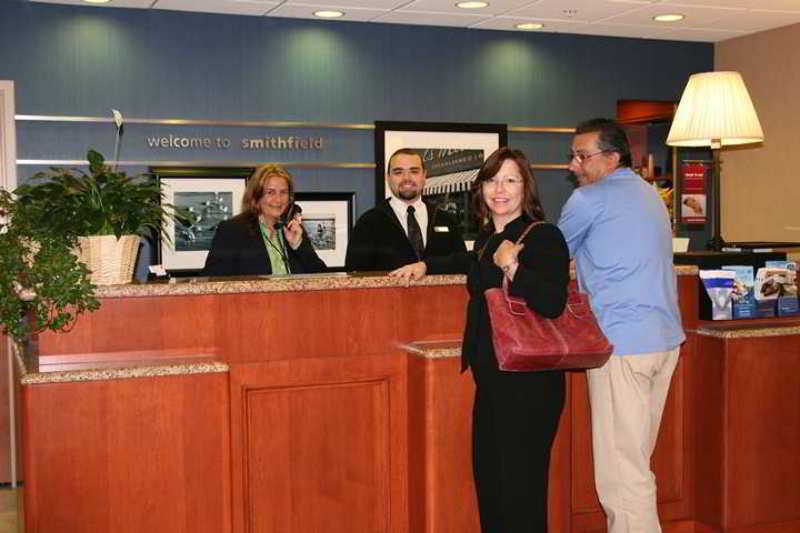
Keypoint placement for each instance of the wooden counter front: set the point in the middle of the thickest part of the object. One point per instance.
(337, 420)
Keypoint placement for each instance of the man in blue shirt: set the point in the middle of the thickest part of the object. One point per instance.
(618, 231)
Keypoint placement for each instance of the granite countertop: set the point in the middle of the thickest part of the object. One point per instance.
(300, 282)
(434, 349)
(104, 371)
(749, 331)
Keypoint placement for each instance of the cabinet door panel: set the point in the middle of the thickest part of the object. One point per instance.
(323, 445)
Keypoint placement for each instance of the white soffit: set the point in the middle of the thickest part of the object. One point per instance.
(232, 7)
(706, 20)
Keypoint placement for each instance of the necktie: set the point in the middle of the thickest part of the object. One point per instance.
(414, 233)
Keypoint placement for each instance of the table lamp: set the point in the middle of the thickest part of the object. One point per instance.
(715, 111)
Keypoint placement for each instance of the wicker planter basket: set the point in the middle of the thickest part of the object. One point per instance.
(111, 261)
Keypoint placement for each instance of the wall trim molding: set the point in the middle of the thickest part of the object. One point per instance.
(216, 163)
(199, 122)
(225, 164)
(251, 123)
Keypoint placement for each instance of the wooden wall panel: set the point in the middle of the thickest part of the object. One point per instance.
(440, 447)
(708, 382)
(762, 419)
(423, 314)
(135, 455)
(139, 324)
(274, 326)
(320, 445)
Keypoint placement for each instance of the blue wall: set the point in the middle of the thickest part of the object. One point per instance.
(161, 64)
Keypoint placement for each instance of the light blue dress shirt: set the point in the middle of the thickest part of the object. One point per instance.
(618, 231)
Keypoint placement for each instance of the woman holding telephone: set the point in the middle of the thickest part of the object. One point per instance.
(267, 237)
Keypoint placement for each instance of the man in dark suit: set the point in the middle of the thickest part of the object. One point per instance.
(403, 228)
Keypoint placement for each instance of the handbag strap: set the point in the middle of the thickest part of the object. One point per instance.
(519, 240)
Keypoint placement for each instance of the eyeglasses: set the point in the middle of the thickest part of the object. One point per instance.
(506, 181)
(580, 158)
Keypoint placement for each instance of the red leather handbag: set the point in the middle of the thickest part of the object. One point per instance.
(525, 341)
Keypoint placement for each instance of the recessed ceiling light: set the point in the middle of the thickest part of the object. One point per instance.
(328, 14)
(472, 5)
(97, 1)
(530, 26)
(669, 17)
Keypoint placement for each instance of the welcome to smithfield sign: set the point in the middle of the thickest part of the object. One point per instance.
(182, 142)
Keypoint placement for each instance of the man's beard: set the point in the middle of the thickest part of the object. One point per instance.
(408, 194)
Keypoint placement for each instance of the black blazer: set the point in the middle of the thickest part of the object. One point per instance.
(541, 279)
(238, 249)
(378, 241)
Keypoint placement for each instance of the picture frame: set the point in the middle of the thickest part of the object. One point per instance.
(429, 136)
(213, 195)
(452, 152)
(328, 219)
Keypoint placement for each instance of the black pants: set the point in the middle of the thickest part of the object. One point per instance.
(514, 422)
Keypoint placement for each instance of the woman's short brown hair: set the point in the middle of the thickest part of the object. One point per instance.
(257, 183)
(531, 205)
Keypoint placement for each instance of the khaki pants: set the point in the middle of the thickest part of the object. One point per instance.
(627, 397)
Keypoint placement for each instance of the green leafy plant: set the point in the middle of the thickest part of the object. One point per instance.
(42, 283)
(100, 202)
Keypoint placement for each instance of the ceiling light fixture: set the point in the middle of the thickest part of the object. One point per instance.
(669, 17)
(328, 14)
(530, 26)
(472, 5)
(97, 1)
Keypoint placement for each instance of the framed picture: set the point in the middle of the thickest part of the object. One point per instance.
(212, 195)
(452, 152)
(328, 218)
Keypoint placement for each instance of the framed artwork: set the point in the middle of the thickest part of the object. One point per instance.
(452, 152)
(446, 147)
(212, 195)
(328, 218)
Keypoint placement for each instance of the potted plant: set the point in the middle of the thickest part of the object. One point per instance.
(42, 283)
(106, 210)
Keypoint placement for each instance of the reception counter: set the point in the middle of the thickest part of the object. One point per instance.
(336, 404)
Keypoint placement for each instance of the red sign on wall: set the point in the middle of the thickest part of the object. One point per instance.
(693, 191)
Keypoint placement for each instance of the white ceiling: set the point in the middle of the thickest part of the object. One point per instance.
(705, 20)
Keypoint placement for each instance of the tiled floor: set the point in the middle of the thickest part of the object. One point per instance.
(8, 511)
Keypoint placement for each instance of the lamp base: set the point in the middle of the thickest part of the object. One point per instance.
(716, 244)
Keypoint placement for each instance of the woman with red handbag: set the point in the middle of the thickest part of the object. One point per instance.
(515, 414)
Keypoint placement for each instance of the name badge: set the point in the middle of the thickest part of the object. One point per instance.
(441, 229)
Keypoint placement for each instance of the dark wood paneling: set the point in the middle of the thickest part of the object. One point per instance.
(136, 455)
(320, 445)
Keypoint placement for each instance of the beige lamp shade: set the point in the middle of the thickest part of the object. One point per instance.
(715, 110)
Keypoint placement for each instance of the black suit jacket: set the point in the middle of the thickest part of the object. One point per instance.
(379, 242)
(238, 249)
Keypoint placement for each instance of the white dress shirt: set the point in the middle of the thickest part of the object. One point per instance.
(420, 213)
